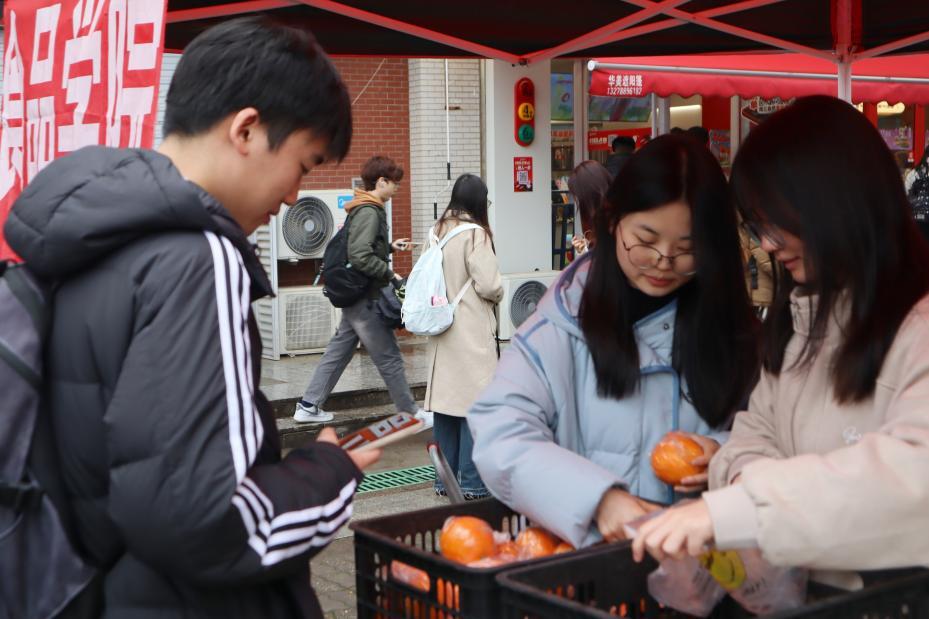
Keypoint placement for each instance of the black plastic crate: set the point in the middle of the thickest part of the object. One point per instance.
(606, 582)
(455, 590)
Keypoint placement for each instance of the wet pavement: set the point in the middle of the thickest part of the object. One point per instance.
(288, 377)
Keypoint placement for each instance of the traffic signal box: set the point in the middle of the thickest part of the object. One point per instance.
(525, 112)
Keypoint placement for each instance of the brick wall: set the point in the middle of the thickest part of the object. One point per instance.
(381, 127)
(427, 133)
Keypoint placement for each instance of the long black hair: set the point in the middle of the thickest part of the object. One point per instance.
(588, 183)
(469, 198)
(715, 341)
(820, 171)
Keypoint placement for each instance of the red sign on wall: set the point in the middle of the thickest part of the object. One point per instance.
(602, 139)
(522, 173)
(75, 73)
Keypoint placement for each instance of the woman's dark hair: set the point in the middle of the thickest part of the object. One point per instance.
(380, 167)
(469, 197)
(820, 171)
(253, 62)
(715, 339)
(588, 184)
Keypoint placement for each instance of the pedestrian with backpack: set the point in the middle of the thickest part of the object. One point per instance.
(463, 357)
(170, 457)
(367, 252)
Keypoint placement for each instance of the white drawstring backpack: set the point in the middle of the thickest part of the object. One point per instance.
(427, 309)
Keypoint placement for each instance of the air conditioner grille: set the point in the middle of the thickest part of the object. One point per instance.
(524, 301)
(307, 321)
(307, 226)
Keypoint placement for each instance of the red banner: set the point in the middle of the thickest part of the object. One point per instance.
(75, 73)
(602, 139)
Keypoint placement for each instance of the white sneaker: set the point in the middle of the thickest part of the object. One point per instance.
(427, 417)
(311, 414)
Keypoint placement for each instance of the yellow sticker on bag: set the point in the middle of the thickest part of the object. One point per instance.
(726, 567)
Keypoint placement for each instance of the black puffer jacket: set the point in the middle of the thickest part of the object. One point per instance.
(170, 452)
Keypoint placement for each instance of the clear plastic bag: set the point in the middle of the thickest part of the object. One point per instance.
(696, 585)
(768, 588)
(685, 586)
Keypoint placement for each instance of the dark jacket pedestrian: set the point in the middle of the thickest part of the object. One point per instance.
(170, 453)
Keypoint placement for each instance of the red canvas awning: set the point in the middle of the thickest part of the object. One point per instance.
(902, 78)
(543, 29)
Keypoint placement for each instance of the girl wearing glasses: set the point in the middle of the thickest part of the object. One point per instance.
(648, 332)
(827, 467)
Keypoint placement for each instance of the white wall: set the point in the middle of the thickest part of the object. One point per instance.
(521, 221)
(427, 174)
(168, 64)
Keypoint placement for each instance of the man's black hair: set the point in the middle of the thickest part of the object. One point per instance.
(253, 62)
(623, 142)
(700, 134)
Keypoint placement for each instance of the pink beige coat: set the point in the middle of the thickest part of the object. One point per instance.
(462, 360)
(825, 485)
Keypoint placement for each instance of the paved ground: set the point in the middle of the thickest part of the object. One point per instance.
(358, 396)
(333, 570)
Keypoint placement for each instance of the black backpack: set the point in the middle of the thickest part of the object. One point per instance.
(342, 284)
(40, 571)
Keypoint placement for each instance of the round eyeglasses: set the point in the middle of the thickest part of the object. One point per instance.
(647, 257)
(763, 231)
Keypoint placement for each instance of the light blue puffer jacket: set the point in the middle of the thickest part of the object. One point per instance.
(547, 445)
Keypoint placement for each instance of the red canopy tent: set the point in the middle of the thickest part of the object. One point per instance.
(526, 32)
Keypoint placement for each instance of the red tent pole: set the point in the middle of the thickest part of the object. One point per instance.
(226, 10)
(919, 133)
(417, 31)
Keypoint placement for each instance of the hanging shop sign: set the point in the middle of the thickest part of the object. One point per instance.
(75, 73)
(618, 84)
(757, 109)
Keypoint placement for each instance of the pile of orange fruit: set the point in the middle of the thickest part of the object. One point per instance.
(473, 542)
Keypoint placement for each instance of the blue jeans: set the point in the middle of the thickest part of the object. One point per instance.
(454, 439)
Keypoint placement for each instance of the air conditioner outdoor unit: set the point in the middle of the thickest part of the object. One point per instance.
(306, 320)
(272, 247)
(521, 294)
(304, 229)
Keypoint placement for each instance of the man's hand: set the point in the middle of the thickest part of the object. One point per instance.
(362, 460)
(616, 508)
(679, 531)
(698, 483)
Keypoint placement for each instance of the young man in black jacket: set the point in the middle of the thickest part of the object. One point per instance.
(170, 452)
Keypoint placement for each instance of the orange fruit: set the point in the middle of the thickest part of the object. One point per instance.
(536, 542)
(409, 575)
(507, 549)
(465, 539)
(672, 457)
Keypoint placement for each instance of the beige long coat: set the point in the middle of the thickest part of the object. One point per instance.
(462, 360)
